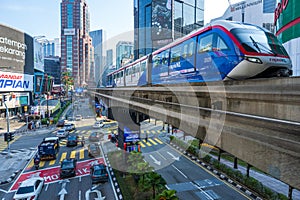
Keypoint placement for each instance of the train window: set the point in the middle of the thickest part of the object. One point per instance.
(143, 66)
(165, 58)
(185, 50)
(137, 68)
(175, 54)
(127, 71)
(122, 74)
(156, 60)
(205, 43)
(133, 69)
(220, 44)
(191, 48)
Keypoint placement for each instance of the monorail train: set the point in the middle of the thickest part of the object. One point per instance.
(222, 50)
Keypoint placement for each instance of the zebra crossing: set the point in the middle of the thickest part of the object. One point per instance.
(78, 154)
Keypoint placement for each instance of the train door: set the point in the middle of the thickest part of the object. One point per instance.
(223, 54)
(205, 65)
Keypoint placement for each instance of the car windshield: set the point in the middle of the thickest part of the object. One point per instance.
(24, 190)
(67, 165)
(61, 131)
(72, 138)
(99, 172)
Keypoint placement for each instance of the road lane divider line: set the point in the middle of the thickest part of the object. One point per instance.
(30, 165)
(180, 172)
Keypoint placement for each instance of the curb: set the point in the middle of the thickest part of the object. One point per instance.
(114, 179)
(11, 178)
(219, 174)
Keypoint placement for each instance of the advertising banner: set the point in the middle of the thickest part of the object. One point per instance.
(12, 49)
(287, 20)
(10, 82)
(38, 56)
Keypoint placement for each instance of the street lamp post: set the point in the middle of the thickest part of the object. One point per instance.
(7, 119)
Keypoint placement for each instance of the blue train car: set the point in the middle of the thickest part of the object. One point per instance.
(222, 50)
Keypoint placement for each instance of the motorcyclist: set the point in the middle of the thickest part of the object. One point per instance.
(37, 161)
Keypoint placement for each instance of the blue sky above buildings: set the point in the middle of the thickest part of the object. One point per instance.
(42, 17)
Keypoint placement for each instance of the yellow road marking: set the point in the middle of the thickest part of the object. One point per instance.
(152, 141)
(142, 131)
(147, 143)
(158, 140)
(52, 162)
(153, 132)
(42, 163)
(142, 144)
(73, 154)
(63, 156)
(30, 164)
(81, 153)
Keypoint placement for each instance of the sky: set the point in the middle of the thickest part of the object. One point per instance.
(42, 17)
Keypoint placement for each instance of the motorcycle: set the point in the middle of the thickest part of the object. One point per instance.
(37, 161)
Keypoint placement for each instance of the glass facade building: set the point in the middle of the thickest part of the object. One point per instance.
(52, 68)
(159, 22)
(97, 38)
(124, 53)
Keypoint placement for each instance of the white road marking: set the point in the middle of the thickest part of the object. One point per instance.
(180, 172)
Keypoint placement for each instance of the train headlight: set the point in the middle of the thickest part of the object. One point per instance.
(253, 60)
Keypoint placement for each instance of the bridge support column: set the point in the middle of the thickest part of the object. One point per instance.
(219, 155)
(168, 128)
(155, 122)
(137, 117)
(290, 195)
(235, 163)
(248, 169)
(172, 130)
(149, 119)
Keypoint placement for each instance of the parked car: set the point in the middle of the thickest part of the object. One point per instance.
(69, 127)
(72, 140)
(62, 133)
(30, 188)
(98, 124)
(68, 168)
(99, 173)
(94, 137)
(93, 150)
(78, 117)
(60, 123)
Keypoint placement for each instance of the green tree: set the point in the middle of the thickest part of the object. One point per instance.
(155, 181)
(67, 80)
(168, 195)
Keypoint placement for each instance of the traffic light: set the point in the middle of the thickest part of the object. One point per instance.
(11, 136)
(6, 138)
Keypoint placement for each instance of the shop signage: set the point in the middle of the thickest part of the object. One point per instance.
(15, 82)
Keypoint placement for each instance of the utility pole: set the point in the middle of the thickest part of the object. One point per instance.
(7, 120)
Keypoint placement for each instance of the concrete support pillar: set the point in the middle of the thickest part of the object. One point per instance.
(163, 128)
(137, 117)
(172, 130)
(290, 195)
(168, 128)
(219, 155)
(155, 122)
(235, 163)
(248, 169)
(149, 119)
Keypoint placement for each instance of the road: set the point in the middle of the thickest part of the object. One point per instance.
(78, 187)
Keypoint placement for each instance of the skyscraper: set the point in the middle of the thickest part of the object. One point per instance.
(97, 44)
(159, 22)
(76, 44)
(124, 53)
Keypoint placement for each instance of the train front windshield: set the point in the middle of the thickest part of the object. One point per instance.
(258, 41)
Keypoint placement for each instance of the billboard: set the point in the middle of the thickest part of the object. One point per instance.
(13, 50)
(287, 20)
(38, 56)
(10, 82)
(161, 19)
(69, 31)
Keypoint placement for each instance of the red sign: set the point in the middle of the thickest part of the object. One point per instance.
(52, 174)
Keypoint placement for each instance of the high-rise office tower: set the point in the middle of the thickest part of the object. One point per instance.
(124, 53)
(97, 37)
(159, 22)
(76, 44)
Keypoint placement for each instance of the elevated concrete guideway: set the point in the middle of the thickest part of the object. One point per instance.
(255, 120)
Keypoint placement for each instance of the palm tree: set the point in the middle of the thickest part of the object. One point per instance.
(155, 181)
(67, 80)
(168, 195)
